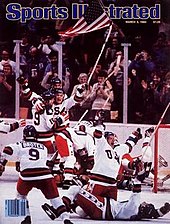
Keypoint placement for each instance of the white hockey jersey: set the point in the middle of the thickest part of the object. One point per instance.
(63, 109)
(82, 140)
(32, 157)
(57, 110)
(43, 123)
(107, 161)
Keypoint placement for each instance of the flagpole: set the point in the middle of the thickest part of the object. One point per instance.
(102, 5)
(92, 72)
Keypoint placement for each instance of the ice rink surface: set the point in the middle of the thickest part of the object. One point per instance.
(36, 199)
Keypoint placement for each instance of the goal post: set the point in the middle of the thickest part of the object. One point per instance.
(161, 156)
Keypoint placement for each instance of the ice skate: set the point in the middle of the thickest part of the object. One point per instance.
(27, 220)
(49, 210)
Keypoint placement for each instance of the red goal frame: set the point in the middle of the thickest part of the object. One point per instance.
(156, 156)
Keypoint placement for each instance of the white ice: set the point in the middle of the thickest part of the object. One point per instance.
(36, 199)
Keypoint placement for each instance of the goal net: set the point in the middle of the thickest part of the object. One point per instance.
(162, 158)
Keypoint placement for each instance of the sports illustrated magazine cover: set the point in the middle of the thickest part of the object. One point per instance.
(84, 111)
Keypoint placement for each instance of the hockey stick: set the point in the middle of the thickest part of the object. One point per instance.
(156, 128)
(116, 68)
(87, 97)
(162, 161)
(81, 118)
(105, 80)
(106, 100)
(164, 179)
(106, 40)
(167, 177)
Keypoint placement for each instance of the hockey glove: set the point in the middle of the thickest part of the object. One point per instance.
(133, 138)
(59, 120)
(100, 115)
(138, 133)
(79, 93)
(81, 88)
(50, 164)
(39, 105)
(22, 80)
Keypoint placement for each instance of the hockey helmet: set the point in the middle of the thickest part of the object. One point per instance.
(107, 134)
(55, 80)
(58, 91)
(29, 133)
(147, 210)
(48, 95)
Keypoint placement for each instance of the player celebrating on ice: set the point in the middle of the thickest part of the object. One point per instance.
(127, 167)
(34, 173)
(103, 176)
(60, 109)
(97, 207)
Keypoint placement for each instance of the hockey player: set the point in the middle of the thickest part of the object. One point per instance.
(61, 111)
(147, 154)
(6, 127)
(84, 147)
(44, 121)
(103, 176)
(34, 173)
(79, 143)
(97, 207)
(126, 171)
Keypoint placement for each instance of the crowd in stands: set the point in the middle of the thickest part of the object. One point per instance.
(148, 70)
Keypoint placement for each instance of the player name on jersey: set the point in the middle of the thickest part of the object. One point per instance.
(32, 145)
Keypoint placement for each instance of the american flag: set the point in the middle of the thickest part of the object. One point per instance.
(94, 18)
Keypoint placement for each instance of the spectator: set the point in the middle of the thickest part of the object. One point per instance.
(143, 64)
(160, 51)
(131, 100)
(35, 69)
(24, 46)
(136, 46)
(24, 51)
(48, 44)
(95, 74)
(165, 99)
(5, 56)
(135, 98)
(116, 67)
(7, 92)
(110, 54)
(101, 96)
(52, 67)
(152, 95)
(78, 110)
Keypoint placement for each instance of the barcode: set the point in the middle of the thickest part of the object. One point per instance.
(15, 207)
